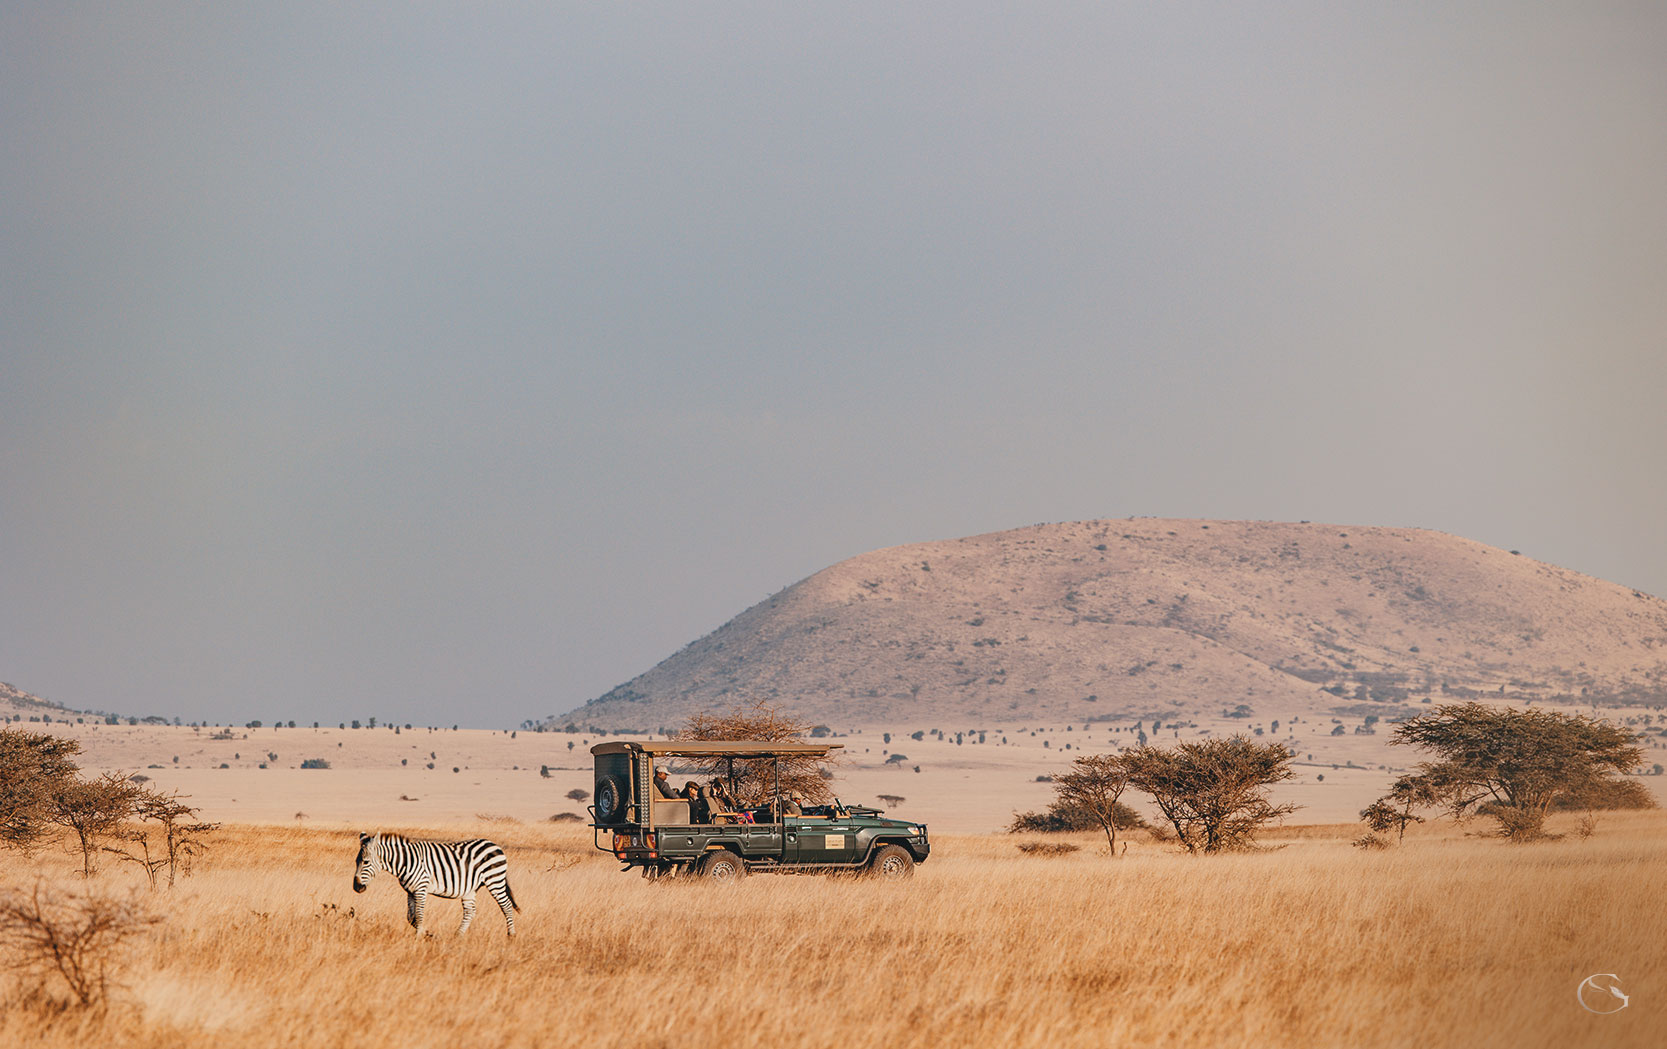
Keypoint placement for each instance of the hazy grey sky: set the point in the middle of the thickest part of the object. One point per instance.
(456, 363)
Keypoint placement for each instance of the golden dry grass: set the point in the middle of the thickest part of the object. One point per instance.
(1446, 941)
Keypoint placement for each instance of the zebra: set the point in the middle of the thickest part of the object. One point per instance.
(449, 869)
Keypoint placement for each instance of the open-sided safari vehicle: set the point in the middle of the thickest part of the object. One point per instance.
(741, 818)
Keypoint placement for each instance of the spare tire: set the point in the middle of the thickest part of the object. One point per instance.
(610, 800)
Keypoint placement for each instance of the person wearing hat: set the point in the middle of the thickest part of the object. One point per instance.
(662, 784)
(793, 808)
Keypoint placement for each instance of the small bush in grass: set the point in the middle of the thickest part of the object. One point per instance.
(567, 817)
(1048, 848)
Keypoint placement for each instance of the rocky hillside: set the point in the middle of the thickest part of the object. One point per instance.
(1104, 619)
(14, 702)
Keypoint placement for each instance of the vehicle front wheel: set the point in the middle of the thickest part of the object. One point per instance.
(891, 863)
(724, 866)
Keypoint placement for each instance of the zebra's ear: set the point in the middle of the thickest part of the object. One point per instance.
(363, 837)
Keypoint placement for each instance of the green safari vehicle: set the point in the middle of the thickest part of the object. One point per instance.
(721, 836)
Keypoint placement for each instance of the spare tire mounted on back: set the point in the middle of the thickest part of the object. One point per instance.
(610, 800)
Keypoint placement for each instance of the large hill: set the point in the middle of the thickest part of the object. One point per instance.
(1102, 619)
(14, 702)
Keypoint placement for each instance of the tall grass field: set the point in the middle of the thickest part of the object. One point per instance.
(1450, 939)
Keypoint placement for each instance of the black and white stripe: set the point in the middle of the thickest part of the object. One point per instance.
(450, 869)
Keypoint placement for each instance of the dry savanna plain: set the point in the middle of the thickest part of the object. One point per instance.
(1451, 938)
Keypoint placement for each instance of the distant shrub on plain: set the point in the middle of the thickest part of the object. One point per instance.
(1061, 818)
(315, 763)
(1048, 848)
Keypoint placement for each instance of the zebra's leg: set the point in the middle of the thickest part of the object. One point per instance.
(418, 905)
(501, 894)
(468, 911)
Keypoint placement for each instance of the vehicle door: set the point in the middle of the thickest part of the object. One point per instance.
(815, 840)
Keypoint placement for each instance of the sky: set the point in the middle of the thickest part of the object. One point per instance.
(456, 363)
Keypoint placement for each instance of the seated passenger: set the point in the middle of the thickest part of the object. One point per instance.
(720, 797)
(662, 784)
(699, 810)
(792, 806)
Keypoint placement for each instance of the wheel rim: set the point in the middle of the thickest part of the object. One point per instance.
(892, 867)
(724, 870)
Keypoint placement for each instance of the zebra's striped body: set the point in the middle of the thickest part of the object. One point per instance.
(450, 869)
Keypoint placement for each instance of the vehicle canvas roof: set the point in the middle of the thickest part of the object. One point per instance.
(730, 748)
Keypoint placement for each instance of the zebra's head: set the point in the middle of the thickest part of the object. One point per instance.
(368, 863)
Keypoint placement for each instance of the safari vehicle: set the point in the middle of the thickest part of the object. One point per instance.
(728, 837)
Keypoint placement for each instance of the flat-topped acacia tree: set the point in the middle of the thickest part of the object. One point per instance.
(1511, 765)
(1214, 792)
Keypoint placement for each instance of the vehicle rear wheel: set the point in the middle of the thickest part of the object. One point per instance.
(610, 800)
(723, 865)
(891, 863)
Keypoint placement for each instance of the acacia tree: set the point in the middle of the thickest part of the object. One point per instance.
(1512, 765)
(1093, 787)
(32, 766)
(1214, 791)
(92, 810)
(754, 780)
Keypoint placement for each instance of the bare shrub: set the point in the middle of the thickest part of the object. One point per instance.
(74, 938)
(1370, 842)
(180, 836)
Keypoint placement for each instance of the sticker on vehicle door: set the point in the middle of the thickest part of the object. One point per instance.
(834, 841)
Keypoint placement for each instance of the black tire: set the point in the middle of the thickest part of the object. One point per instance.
(610, 800)
(891, 863)
(722, 865)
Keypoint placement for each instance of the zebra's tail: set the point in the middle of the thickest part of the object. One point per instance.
(511, 894)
